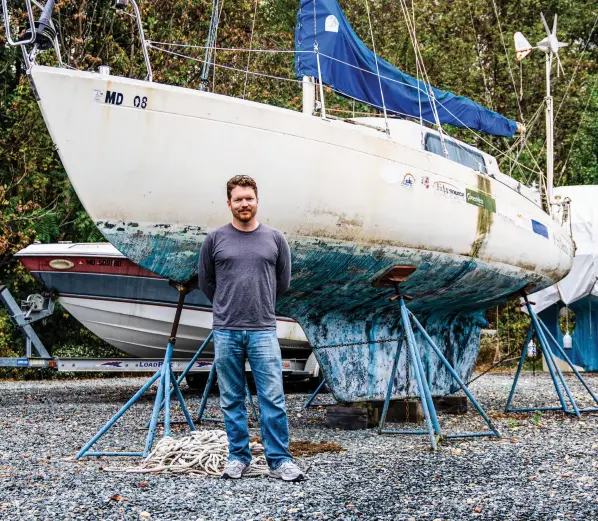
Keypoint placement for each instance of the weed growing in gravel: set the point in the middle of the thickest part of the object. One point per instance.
(537, 417)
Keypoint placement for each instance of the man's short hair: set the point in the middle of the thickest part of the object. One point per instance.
(240, 180)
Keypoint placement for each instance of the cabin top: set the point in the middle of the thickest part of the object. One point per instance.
(409, 134)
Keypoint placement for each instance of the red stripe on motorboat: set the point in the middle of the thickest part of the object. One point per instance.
(93, 264)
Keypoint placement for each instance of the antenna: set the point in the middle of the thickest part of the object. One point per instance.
(549, 46)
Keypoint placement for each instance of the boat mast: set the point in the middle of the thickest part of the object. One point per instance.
(210, 43)
(549, 135)
(309, 95)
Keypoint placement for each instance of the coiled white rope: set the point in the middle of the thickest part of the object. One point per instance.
(200, 453)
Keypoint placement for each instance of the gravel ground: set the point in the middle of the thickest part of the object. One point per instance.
(544, 467)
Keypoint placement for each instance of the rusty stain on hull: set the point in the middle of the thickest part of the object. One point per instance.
(485, 219)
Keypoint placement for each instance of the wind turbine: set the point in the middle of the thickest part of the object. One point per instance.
(550, 47)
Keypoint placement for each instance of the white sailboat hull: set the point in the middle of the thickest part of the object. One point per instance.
(322, 179)
(150, 163)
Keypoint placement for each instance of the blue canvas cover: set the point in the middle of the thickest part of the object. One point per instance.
(337, 42)
(584, 335)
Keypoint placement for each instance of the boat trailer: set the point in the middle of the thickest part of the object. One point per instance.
(35, 307)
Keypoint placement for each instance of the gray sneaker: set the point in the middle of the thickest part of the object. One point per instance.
(234, 469)
(288, 471)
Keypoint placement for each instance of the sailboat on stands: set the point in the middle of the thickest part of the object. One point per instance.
(354, 198)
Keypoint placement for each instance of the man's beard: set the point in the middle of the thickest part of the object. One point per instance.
(246, 216)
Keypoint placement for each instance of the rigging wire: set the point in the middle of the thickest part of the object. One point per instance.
(577, 131)
(231, 49)
(209, 48)
(227, 67)
(524, 145)
(367, 6)
(522, 141)
(511, 161)
(539, 173)
(575, 70)
(418, 56)
(413, 35)
(215, 49)
(250, 46)
(573, 75)
(478, 52)
(502, 38)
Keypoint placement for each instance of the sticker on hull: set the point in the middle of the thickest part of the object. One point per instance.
(481, 200)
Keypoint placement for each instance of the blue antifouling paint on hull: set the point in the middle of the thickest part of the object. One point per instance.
(166, 249)
(584, 352)
(358, 373)
(334, 301)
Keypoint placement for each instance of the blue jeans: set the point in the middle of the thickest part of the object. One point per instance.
(263, 352)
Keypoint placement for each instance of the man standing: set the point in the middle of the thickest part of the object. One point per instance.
(243, 267)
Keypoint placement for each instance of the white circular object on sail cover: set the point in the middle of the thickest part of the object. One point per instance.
(331, 24)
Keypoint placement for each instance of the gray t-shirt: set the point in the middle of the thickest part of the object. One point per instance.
(242, 273)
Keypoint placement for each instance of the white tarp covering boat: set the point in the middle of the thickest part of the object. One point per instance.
(582, 280)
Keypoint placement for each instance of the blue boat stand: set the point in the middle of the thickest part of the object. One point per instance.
(396, 275)
(310, 401)
(206, 393)
(167, 385)
(543, 334)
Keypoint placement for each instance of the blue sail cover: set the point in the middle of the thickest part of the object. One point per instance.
(357, 77)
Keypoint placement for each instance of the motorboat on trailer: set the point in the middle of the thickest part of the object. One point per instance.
(354, 198)
(130, 307)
